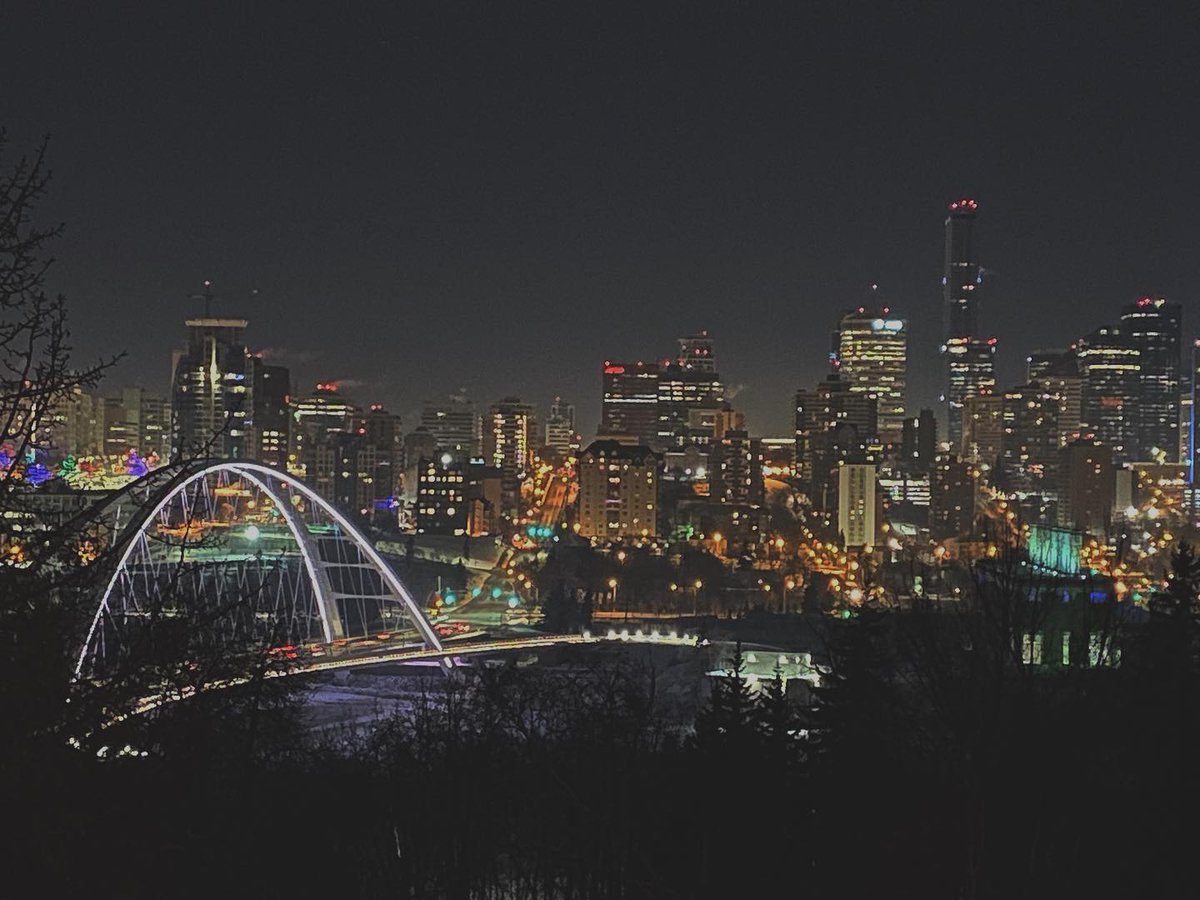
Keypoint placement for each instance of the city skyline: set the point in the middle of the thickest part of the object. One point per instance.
(390, 262)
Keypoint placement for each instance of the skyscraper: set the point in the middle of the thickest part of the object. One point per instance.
(683, 390)
(970, 370)
(1057, 371)
(270, 424)
(1153, 326)
(969, 356)
(961, 280)
(315, 418)
(1110, 365)
(210, 395)
(630, 401)
(871, 354)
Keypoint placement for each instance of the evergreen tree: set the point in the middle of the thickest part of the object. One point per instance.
(727, 723)
(776, 720)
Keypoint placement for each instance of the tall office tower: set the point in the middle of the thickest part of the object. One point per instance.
(270, 426)
(560, 433)
(315, 418)
(381, 431)
(856, 505)
(1030, 451)
(1154, 326)
(918, 445)
(1087, 486)
(453, 425)
(210, 400)
(970, 366)
(1111, 367)
(983, 429)
(871, 354)
(1057, 371)
(682, 391)
(618, 491)
(630, 401)
(696, 353)
(961, 279)
(970, 370)
(508, 437)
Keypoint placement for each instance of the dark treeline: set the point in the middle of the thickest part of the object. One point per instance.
(932, 764)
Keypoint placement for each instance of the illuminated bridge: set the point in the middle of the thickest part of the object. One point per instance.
(217, 559)
(240, 555)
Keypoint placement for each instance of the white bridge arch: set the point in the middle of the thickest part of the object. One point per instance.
(259, 553)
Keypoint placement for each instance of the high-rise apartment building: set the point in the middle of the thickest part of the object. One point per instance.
(630, 400)
(618, 491)
(856, 505)
(508, 439)
(871, 354)
(735, 469)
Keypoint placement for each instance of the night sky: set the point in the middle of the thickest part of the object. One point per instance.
(500, 196)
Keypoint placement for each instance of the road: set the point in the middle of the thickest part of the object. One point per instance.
(449, 656)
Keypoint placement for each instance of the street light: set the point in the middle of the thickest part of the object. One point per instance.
(696, 597)
(612, 586)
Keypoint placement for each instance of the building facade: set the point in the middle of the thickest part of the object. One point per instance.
(871, 353)
(630, 400)
(618, 491)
